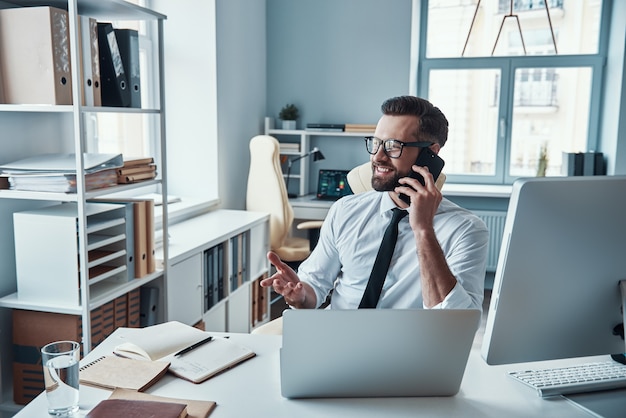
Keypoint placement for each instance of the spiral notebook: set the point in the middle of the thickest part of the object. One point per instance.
(112, 372)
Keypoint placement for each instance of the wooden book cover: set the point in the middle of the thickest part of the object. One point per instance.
(195, 408)
(127, 408)
(112, 372)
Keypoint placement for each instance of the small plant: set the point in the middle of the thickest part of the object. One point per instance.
(289, 112)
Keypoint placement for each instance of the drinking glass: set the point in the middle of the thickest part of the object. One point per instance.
(60, 369)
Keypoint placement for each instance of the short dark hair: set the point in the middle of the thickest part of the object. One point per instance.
(433, 125)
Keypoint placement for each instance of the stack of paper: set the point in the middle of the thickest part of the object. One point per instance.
(57, 172)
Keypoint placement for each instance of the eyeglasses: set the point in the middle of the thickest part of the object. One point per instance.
(392, 147)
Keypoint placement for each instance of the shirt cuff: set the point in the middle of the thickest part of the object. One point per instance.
(456, 299)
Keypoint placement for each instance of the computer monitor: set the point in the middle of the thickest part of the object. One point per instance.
(556, 291)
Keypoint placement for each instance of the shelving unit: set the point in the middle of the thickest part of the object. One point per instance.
(305, 144)
(33, 129)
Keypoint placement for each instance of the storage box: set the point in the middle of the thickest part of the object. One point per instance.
(46, 250)
(33, 329)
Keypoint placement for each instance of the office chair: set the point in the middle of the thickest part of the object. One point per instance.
(267, 193)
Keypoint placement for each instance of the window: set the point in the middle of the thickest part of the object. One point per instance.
(519, 86)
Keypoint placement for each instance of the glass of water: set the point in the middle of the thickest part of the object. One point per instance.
(60, 370)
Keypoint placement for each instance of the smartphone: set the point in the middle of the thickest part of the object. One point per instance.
(426, 158)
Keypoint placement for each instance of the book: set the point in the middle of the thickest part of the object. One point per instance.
(332, 126)
(111, 372)
(129, 408)
(163, 341)
(195, 408)
(140, 161)
(360, 127)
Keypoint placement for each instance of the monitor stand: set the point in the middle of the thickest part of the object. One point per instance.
(608, 403)
(621, 358)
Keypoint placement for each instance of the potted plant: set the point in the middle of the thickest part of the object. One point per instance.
(289, 114)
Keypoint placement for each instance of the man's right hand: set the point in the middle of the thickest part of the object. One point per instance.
(286, 282)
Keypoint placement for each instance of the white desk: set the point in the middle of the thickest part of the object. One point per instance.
(309, 208)
(253, 389)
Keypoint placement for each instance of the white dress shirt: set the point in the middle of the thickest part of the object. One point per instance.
(349, 241)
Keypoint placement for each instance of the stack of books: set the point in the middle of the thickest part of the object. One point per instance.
(139, 169)
(289, 147)
(360, 127)
(57, 172)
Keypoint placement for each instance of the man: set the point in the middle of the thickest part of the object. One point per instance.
(440, 255)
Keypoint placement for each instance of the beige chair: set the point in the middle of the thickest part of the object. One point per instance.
(267, 193)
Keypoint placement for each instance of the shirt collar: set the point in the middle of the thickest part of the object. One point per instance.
(386, 204)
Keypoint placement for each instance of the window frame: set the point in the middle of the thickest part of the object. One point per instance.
(508, 65)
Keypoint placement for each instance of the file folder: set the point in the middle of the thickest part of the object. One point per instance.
(115, 91)
(150, 250)
(35, 56)
(128, 43)
(90, 61)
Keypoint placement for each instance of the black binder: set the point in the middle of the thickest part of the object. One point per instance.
(115, 91)
(128, 43)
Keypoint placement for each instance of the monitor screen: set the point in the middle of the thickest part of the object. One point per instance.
(556, 291)
(332, 184)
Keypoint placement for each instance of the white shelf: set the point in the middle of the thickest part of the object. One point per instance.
(304, 134)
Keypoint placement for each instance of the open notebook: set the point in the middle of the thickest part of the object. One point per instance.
(375, 352)
(165, 341)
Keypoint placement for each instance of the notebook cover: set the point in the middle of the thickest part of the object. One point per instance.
(112, 372)
(195, 409)
(127, 408)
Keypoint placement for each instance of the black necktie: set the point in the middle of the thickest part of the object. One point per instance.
(383, 259)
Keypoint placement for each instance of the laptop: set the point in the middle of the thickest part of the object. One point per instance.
(375, 352)
(332, 184)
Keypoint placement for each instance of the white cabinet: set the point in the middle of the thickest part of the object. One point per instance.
(184, 296)
(223, 253)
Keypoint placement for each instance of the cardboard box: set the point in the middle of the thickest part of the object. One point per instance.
(33, 329)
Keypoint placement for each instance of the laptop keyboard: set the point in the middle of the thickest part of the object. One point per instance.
(586, 377)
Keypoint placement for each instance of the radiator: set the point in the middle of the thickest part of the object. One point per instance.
(495, 224)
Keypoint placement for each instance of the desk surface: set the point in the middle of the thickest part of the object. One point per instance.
(253, 389)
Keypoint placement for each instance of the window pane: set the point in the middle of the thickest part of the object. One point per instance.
(575, 25)
(548, 116)
(469, 99)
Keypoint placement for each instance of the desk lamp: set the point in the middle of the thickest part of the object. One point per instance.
(317, 156)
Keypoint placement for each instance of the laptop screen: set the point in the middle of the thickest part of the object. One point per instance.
(332, 184)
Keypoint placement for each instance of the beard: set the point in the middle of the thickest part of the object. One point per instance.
(387, 184)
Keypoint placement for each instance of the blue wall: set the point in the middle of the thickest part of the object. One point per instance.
(337, 61)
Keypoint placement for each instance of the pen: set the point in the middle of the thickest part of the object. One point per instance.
(191, 347)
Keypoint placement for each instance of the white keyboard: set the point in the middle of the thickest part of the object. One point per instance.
(581, 378)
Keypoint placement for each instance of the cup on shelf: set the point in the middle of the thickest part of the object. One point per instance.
(60, 370)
